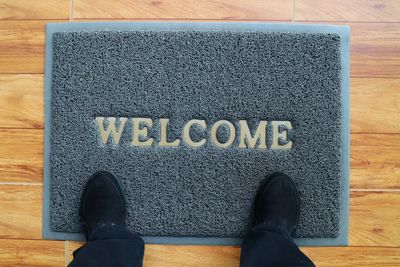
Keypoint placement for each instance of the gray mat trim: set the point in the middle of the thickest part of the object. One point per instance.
(343, 31)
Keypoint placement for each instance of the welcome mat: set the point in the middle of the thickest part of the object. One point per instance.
(190, 118)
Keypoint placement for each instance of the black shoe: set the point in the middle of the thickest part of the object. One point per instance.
(102, 203)
(278, 202)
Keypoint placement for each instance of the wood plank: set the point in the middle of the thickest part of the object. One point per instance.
(375, 105)
(174, 255)
(178, 9)
(344, 10)
(21, 101)
(375, 49)
(168, 255)
(32, 253)
(354, 256)
(22, 46)
(374, 218)
(374, 158)
(35, 9)
(375, 161)
(21, 155)
(21, 212)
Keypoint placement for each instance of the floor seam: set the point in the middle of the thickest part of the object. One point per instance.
(20, 183)
(71, 11)
(66, 258)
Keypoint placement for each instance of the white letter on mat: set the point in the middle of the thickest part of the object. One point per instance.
(141, 132)
(115, 134)
(260, 134)
(231, 133)
(276, 135)
(163, 133)
(186, 133)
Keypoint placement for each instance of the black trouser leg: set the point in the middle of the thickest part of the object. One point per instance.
(111, 246)
(269, 245)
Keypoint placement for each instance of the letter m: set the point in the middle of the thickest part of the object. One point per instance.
(246, 137)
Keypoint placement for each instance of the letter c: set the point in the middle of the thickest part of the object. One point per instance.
(186, 133)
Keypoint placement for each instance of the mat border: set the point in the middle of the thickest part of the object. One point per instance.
(343, 31)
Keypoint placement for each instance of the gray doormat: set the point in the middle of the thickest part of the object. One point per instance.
(202, 113)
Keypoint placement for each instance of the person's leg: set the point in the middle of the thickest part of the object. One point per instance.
(269, 242)
(102, 215)
(110, 247)
(268, 246)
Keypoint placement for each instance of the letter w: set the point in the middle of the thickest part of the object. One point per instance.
(115, 134)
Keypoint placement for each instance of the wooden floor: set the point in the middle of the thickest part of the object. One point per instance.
(375, 121)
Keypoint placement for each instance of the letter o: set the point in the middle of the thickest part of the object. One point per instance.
(231, 133)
